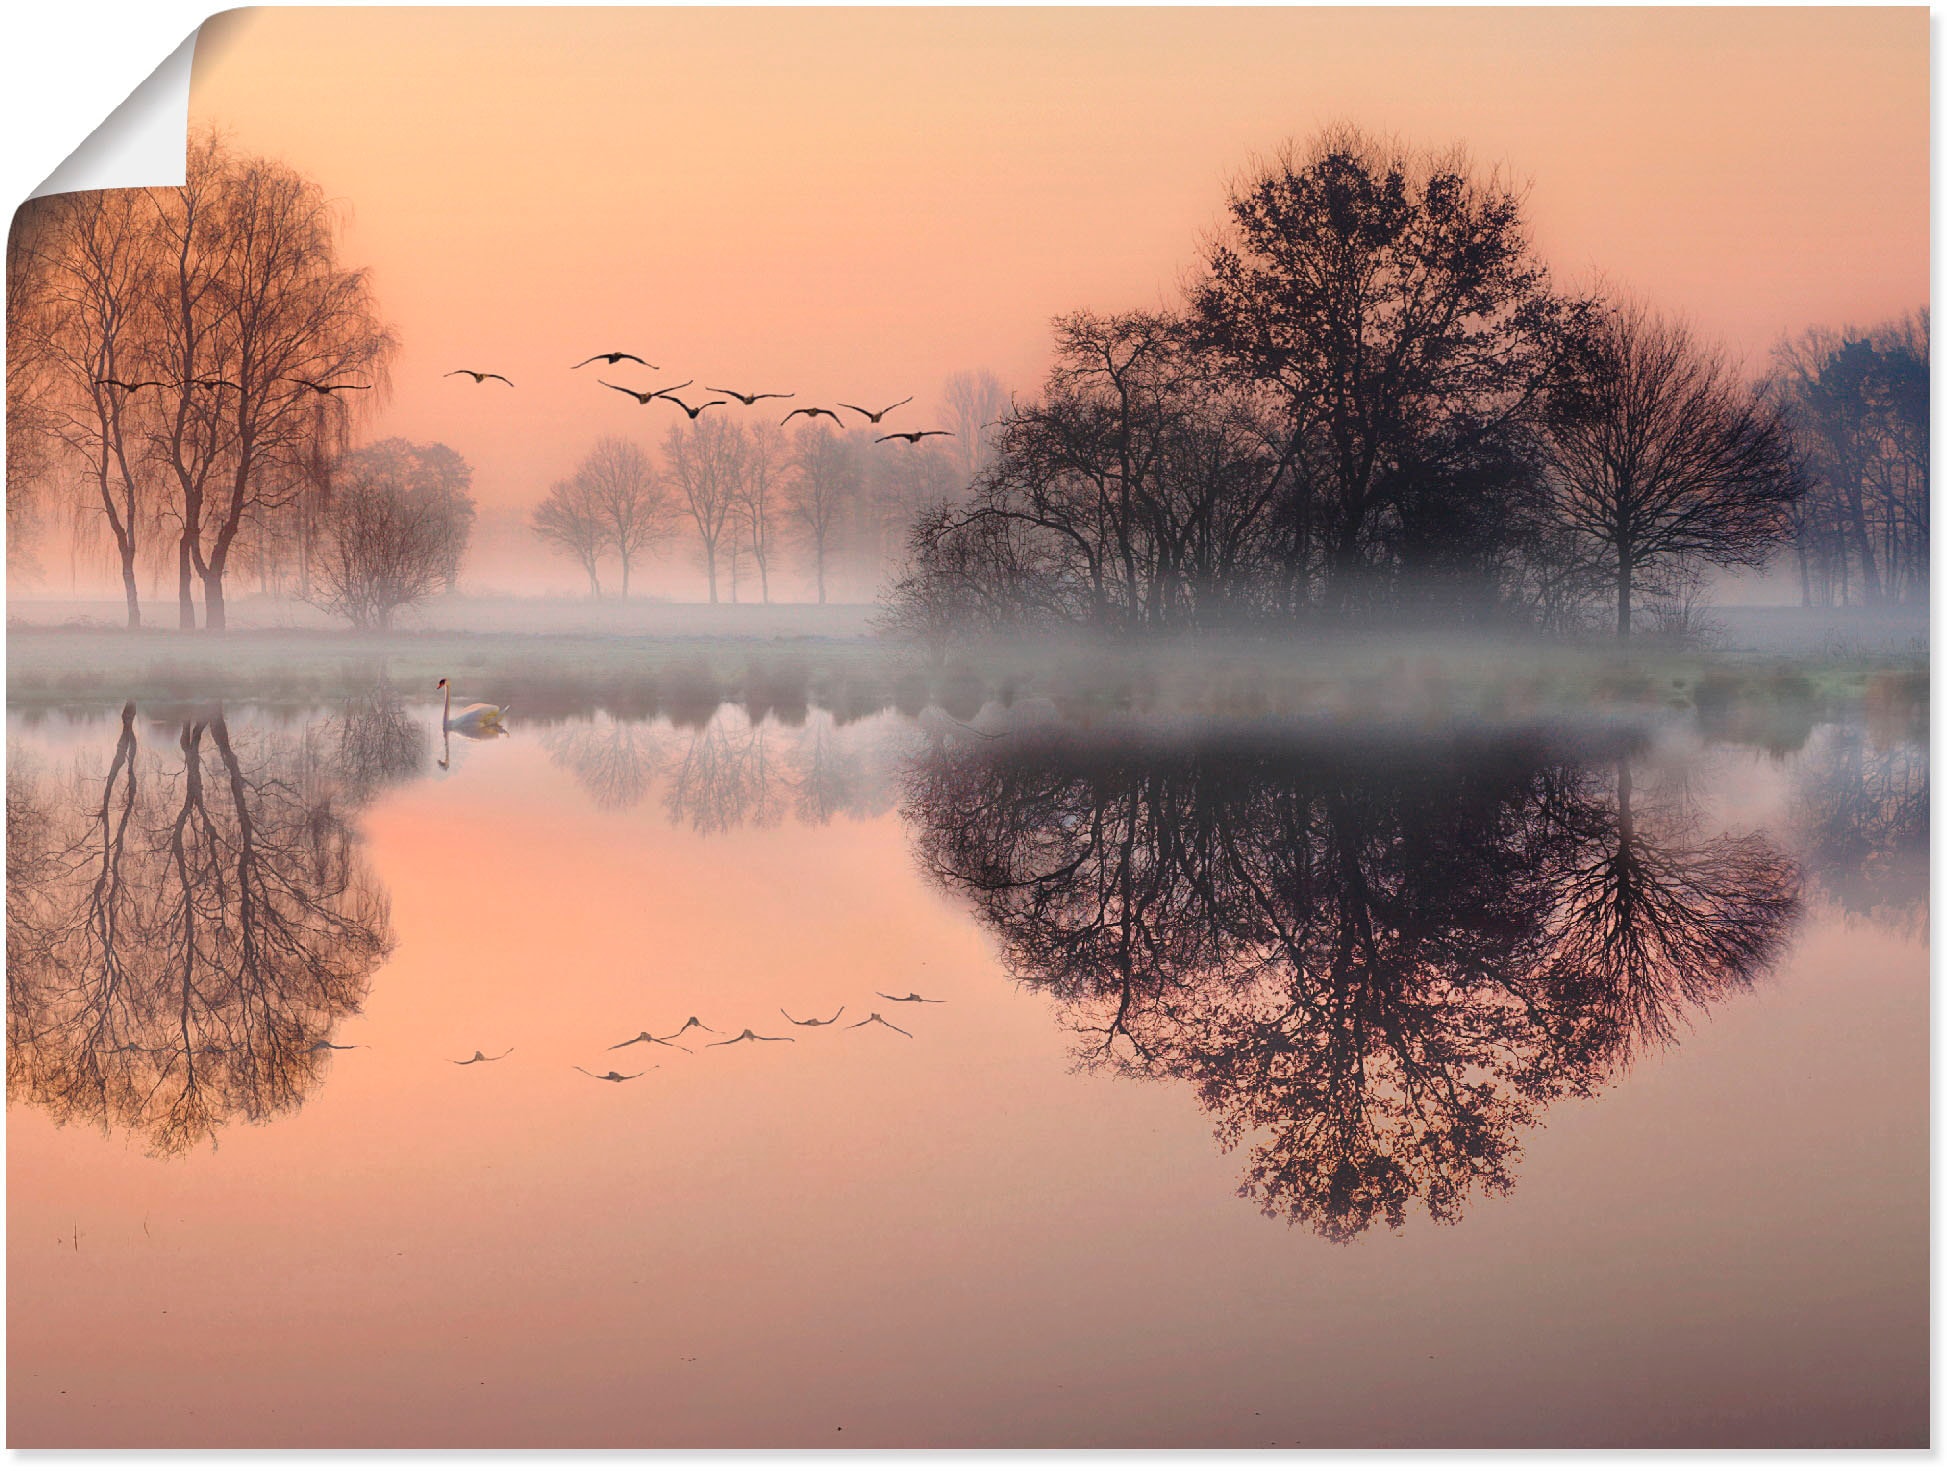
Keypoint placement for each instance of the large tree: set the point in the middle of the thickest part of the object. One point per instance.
(1660, 455)
(92, 259)
(1390, 307)
(271, 345)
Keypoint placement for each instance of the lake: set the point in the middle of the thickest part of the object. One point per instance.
(1276, 1083)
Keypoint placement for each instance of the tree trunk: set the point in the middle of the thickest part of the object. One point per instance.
(821, 574)
(128, 588)
(185, 592)
(710, 565)
(213, 615)
(1624, 573)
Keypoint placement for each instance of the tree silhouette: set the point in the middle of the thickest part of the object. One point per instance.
(1659, 455)
(198, 924)
(1391, 307)
(1372, 967)
(571, 520)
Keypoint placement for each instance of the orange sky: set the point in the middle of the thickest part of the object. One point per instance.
(855, 203)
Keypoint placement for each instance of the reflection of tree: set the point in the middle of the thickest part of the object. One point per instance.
(1862, 815)
(1655, 921)
(614, 761)
(830, 775)
(726, 776)
(373, 742)
(197, 925)
(1375, 974)
(729, 771)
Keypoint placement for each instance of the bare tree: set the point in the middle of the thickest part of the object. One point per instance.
(389, 539)
(764, 456)
(1858, 406)
(92, 256)
(571, 521)
(707, 459)
(1659, 455)
(975, 402)
(824, 484)
(30, 420)
(270, 344)
(629, 499)
(1390, 307)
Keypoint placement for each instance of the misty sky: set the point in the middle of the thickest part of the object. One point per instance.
(853, 204)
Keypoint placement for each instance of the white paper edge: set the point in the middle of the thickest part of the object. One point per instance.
(142, 144)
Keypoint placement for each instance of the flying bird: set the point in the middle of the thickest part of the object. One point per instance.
(747, 1035)
(812, 1022)
(813, 413)
(479, 1056)
(643, 398)
(213, 383)
(746, 399)
(692, 1022)
(645, 1037)
(913, 996)
(332, 1047)
(477, 376)
(611, 1076)
(875, 418)
(914, 436)
(612, 358)
(875, 1017)
(328, 389)
(693, 412)
(132, 387)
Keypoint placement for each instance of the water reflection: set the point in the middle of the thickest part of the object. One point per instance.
(1375, 968)
(1375, 965)
(186, 928)
(733, 769)
(1861, 815)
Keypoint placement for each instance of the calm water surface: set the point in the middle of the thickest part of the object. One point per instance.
(1284, 1088)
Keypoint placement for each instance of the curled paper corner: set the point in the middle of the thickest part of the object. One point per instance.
(141, 144)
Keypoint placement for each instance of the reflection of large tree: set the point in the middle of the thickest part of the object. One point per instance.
(1373, 972)
(186, 926)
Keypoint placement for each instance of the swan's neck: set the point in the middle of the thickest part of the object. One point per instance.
(446, 714)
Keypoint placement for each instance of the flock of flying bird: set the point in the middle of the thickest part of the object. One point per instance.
(748, 1034)
(694, 1024)
(645, 398)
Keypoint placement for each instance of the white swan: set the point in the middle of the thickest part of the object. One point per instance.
(474, 717)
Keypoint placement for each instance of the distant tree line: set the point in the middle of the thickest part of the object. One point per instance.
(833, 505)
(1858, 406)
(1373, 403)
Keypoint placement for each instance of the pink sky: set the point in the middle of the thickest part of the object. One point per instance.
(855, 203)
